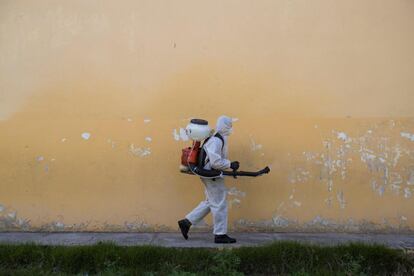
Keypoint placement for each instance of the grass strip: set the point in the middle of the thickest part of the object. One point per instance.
(286, 258)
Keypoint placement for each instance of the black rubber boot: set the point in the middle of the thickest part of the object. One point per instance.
(184, 225)
(223, 239)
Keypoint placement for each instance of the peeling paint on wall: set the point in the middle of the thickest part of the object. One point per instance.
(343, 136)
(410, 178)
(234, 202)
(9, 220)
(236, 195)
(407, 135)
(255, 146)
(321, 224)
(380, 189)
(341, 199)
(138, 151)
(380, 154)
(299, 175)
(86, 135)
(233, 191)
(407, 192)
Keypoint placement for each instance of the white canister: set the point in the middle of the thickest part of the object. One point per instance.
(198, 130)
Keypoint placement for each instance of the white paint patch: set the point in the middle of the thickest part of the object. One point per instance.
(330, 184)
(342, 136)
(380, 189)
(40, 158)
(254, 146)
(298, 175)
(234, 120)
(318, 220)
(12, 215)
(140, 152)
(407, 193)
(395, 189)
(146, 120)
(367, 157)
(280, 221)
(310, 156)
(292, 193)
(63, 140)
(235, 192)
(148, 139)
(403, 218)
(410, 180)
(86, 136)
(328, 169)
(395, 178)
(235, 202)
(341, 199)
(129, 120)
(21, 221)
(297, 203)
(397, 156)
(407, 135)
(59, 224)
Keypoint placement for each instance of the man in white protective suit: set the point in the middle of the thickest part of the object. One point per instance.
(216, 149)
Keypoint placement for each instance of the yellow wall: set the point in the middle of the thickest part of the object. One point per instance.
(323, 92)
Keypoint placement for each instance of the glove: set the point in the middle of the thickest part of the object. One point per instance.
(235, 165)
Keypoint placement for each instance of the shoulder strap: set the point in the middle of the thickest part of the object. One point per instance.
(202, 155)
(218, 135)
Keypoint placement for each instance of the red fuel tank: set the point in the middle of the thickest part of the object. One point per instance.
(190, 155)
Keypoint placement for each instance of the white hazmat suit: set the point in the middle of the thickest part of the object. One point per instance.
(215, 190)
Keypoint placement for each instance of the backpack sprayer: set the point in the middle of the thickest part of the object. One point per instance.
(193, 158)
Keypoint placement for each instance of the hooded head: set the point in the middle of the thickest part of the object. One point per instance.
(224, 125)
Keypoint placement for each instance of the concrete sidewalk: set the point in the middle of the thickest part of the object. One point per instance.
(203, 239)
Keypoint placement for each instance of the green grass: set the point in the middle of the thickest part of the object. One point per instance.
(286, 258)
